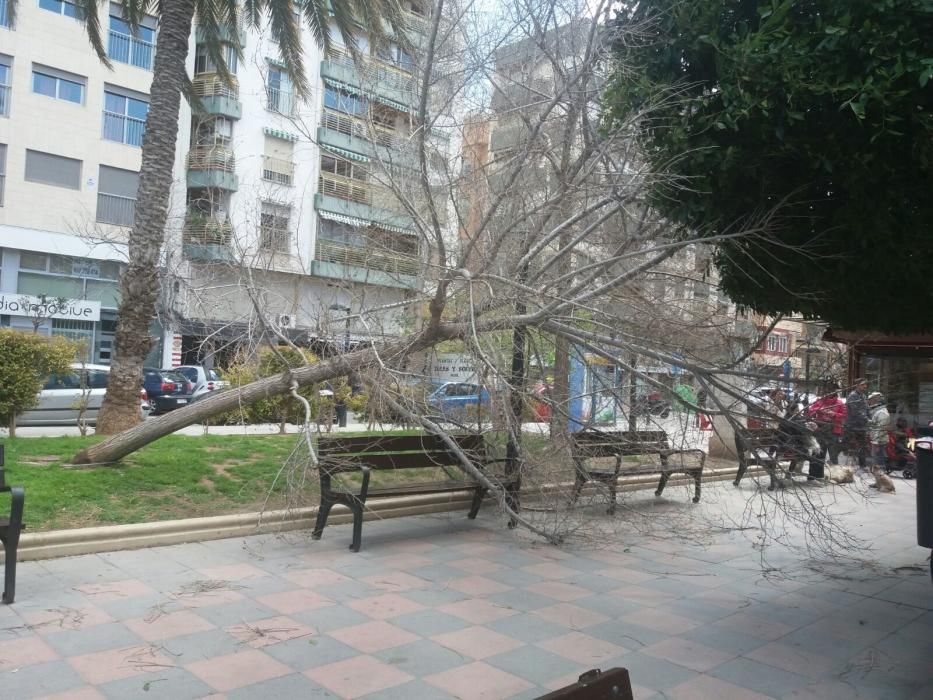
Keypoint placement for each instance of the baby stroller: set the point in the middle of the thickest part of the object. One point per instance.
(898, 455)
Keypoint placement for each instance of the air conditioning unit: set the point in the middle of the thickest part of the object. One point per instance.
(285, 321)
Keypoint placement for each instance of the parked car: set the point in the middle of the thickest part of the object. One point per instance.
(62, 395)
(204, 380)
(167, 389)
(451, 397)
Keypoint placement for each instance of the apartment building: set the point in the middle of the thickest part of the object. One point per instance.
(273, 216)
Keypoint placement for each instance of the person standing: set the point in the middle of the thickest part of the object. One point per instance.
(879, 424)
(829, 414)
(857, 418)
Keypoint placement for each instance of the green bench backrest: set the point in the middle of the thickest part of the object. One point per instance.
(605, 443)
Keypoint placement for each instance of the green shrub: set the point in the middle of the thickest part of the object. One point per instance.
(28, 358)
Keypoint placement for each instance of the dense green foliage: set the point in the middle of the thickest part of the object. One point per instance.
(28, 358)
(816, 110)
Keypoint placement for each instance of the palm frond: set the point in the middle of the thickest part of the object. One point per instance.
(287, 37)
(317, 18)
(211, 29)
(252, 12)
(92, 27)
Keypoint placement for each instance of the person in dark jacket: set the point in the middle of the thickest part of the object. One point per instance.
(857, 417)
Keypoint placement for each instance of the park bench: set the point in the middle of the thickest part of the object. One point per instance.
(362, 455)
(760, 446)
(613, 684)
(10, 528)
(593, 444)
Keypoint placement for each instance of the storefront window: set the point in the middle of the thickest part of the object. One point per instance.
(34, 261)
(51, 286)
(107, 293)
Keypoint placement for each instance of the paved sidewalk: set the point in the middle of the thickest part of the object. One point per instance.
(439, 607)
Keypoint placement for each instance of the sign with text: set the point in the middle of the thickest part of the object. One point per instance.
(49, 307)
(453, 368)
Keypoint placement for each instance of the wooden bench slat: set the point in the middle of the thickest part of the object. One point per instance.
(394, 443)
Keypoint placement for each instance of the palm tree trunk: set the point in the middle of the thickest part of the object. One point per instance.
(140, 283)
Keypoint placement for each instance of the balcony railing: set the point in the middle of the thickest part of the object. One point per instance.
(358, 256)
(281, 101)
(124, 129)
(278, 170)
(211, 158)
(130, 49)
(418, 22)
(345, 188)
(354, 126)
(5, 95)
(375, 71)
(205, 230)
(210, 85)
(116, 210)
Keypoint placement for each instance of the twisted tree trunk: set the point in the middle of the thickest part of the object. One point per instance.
(140, 282)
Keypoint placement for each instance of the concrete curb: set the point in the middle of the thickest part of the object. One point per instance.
(91, 540)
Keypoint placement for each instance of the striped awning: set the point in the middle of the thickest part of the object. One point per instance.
(279, 134)
(346, 87)
(361, 223)
(345, 153)
(276, 62)
(392, 103)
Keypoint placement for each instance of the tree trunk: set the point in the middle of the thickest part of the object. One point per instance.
(12, 426)
(138, 436)
(140, 282)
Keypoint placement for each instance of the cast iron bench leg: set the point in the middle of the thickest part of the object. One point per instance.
(697, 479)
(743, 463)
(478, 495)
(322, 513)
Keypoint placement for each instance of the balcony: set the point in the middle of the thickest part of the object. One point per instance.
(347, 262)
(277, 170)
(206, 239)
(226, 35)
(358, 191)
(217, 97)
(396, 86)
(212, 166)
(281, 101)
(355, 134)
(130, 49)
(418, 23)
(116, 210)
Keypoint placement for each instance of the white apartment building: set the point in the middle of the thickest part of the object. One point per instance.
(273, 212)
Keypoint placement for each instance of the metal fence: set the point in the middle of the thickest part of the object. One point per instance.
(130, 49)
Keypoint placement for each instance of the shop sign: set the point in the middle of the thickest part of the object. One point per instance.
(37, 307)
(85, 268)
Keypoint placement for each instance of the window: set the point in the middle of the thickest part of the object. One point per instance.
(777, 343)
(133, 46)
(277, 163)
(341, 233)
(124, 116)
(5, 90)
(212, 132)
(5, 14)
(50, 169)
(273, 227)
(343, 102)
(279, 94)
(343, 167)
(60, 7)
(58, 84)
(2, 171)
(116, 196)
(204, 62)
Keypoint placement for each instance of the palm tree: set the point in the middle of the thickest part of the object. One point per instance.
(140, 283)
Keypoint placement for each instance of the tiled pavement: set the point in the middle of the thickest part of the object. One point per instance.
(441, 607)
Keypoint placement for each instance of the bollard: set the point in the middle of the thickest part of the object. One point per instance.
(924, 449)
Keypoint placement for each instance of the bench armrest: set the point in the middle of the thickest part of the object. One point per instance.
(364, 488)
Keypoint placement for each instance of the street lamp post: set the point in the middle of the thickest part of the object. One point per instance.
(340, 407)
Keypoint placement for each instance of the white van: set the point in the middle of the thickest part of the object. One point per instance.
(61, 397)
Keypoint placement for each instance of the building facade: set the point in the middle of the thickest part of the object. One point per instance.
(274, 216)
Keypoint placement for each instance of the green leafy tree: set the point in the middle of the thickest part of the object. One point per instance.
(140, 282)
(818, 111)
(28, 359)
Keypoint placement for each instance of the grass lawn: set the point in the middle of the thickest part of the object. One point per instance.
(175, 477)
